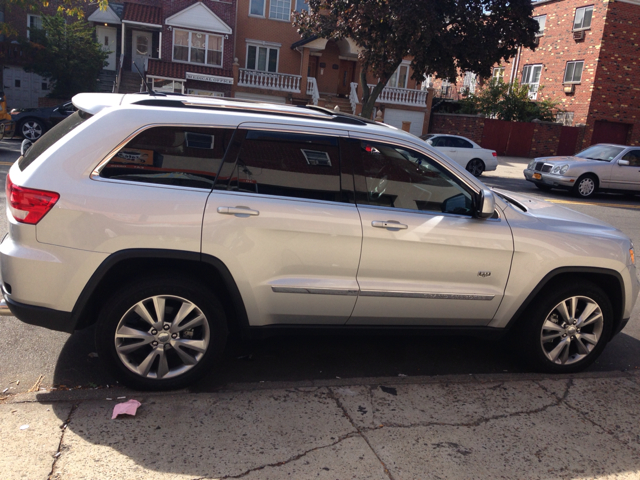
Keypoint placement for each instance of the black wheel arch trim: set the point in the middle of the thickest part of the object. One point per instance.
(116, 258)
(618, 322)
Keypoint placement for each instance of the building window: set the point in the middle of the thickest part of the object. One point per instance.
(498, 74)
(34, 22)
(280, 9)
(469, 82)
(400, 77)
(196, 47)
(45, 86)
(542, 20)
(565, 118)
(204, 93)
(573, 72)
(16, 83)
(583, 18)
(256, 7)
(264, 59)
(302, 6)
(166, 85)
(531, 77)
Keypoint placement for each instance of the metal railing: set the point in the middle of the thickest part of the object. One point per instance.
(312, 89)
(269, 81)
(116, 83)
(402, 96)
(353, 96)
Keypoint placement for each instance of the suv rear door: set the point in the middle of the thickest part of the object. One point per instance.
(280, 220)
(425, 260)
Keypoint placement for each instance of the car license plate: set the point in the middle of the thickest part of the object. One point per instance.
(537, 176)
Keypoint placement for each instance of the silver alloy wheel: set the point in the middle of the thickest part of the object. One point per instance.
(586, 187)
(31, 130)
(475, 167)
(571, 330)
(162, 337)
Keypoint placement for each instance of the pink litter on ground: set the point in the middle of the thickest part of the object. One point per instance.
(127, 408)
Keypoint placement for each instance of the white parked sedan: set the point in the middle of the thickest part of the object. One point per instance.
(465, 152)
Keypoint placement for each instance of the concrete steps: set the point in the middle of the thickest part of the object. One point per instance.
(130, 82)
(332, 101)
(106, 79)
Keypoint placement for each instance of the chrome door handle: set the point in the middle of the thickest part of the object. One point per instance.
(390, 224)
(238, 211)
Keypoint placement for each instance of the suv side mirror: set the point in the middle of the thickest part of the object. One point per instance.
(486, 204)
(624, 163)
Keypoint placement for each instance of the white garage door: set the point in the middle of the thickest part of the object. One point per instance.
(395, 117)
(22, 88)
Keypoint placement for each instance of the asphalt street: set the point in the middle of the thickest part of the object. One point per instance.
(27, 352)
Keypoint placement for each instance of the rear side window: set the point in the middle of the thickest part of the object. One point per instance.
(51, 137)
(178, 156)
(286, 165)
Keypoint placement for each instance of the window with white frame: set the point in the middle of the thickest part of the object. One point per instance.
(256, 7)
(400, 77)
(531, 77)
(573, 72)
(280, 9)
(542, 20)
(197, 47)
(582, 20)
(498, 74)
(302, 6)
(565, 118)
(34, 22)
(262, 58)
(469, 82)
(166, 85)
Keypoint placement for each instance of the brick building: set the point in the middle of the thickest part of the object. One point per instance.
(587, 58)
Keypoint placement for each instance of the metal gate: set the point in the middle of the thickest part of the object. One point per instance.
(568, 140)
(610, 132)
(508, 138)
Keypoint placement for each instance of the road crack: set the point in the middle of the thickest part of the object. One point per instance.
(63, 427)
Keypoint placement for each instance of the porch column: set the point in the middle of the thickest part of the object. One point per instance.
(122, 42)
(304, 66)
(427, 113)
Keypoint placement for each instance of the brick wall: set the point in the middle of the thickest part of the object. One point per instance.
(545, 139)
(469, 126)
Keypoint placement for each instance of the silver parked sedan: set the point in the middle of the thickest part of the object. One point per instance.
(602, 167)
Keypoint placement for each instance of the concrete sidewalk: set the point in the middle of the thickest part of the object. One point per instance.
(477, 426)
(508, 167)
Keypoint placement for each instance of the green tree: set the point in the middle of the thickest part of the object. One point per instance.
(67, 54)
(510, 102)
(442, 36)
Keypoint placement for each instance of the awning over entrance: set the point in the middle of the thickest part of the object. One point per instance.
(143, 15)
(348, 47)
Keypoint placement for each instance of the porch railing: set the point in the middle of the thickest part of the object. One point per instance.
(312, 89)
(402, 96)
(269, 81)
(353, 96)
(116, 83)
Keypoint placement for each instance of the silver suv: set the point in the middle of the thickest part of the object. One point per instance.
(171, 221)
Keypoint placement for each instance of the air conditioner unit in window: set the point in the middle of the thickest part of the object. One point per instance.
(578, 35)
(569, 88)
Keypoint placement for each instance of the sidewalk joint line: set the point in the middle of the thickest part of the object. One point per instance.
(64, 426)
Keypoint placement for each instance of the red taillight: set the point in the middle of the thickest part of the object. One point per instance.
(494, 154)
(28, 205)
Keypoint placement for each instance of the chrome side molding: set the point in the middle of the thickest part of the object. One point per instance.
(382, 293)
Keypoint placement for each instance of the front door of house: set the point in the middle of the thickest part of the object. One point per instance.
(141, 46)
(107, 39)
(345, 77)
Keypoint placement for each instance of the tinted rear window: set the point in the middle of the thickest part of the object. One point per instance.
(51, 137)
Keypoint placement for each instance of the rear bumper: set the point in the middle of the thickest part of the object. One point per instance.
(39, 316)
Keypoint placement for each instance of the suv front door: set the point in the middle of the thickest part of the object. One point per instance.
(425, 259)
(279, 221)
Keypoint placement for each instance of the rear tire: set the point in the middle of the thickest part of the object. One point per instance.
(32, 129)
(475, 167)
(161, 333)
(568, 328)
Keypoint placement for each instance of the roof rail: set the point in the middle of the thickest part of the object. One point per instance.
(316, 113)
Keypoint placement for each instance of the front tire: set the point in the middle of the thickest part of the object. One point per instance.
(586, 186)
(475, 167)
(161, 333)
(568, 329)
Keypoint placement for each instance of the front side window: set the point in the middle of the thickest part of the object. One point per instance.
(573, 72)
(391, 176)
(197, 47)
(498, 74)
(531, 77)
(285, 165)
(264, 59)
(582, 20)
(542, 20)
(178, 156)
(633, 157)
(400, 77)
(280, 9)
(256, 7)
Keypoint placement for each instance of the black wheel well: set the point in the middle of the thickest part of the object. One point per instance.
(128, 269)
(608, 282)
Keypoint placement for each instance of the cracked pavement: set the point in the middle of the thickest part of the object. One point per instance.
(467, 426)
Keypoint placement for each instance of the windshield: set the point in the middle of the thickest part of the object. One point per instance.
(603, 153)
(51, 137)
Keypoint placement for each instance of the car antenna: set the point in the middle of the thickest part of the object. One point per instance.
(144, 80)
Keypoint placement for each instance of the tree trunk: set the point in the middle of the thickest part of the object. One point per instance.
(369, 98)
